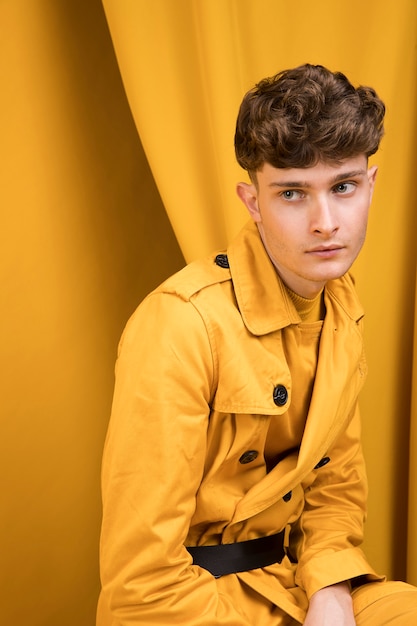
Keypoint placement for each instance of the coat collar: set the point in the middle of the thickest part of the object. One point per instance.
(261, 296)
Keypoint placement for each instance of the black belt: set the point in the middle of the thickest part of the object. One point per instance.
(229, 558)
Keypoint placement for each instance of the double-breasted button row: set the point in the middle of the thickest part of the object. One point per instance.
(251, 455)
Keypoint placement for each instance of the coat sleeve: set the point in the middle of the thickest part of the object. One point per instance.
(152, 468)
(329, 532)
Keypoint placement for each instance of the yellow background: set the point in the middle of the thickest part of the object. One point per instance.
(85, 235)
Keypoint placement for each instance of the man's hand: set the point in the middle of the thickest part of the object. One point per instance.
(331, 606)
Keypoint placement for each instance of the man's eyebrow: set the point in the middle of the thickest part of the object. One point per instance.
(305, 185)
(345, 175)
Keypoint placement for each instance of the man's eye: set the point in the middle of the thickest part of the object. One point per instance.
(291, 194)
(344, 188)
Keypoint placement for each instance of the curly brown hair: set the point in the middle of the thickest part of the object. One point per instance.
(305, 115)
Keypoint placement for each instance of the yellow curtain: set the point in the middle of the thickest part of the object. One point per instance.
(185, 65)
(79, 209)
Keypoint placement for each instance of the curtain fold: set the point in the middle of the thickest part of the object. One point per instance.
(183, 93)
(185, 65)
(412, 499)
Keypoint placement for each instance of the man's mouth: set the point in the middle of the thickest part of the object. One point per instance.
(327, 251)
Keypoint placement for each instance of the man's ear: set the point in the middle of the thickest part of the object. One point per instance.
(249, 196)
(372, 172)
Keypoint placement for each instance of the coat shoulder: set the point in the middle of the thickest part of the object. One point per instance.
(196, 276)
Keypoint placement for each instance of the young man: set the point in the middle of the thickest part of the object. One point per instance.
(233, 480)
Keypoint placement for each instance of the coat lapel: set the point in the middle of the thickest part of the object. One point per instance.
(340, 374)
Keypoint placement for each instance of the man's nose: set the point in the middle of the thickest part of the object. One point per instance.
(324, 219)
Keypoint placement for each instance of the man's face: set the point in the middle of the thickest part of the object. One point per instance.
(312, 220)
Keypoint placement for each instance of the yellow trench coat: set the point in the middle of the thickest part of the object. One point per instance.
(195, 375)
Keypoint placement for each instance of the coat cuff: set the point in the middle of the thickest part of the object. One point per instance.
(331, 568)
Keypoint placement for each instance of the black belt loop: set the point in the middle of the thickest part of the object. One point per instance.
(229, 558)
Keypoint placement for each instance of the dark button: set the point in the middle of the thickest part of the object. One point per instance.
(280, 395)
(287, 496)
(323, 462)
(222, 261)
(248, 457)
